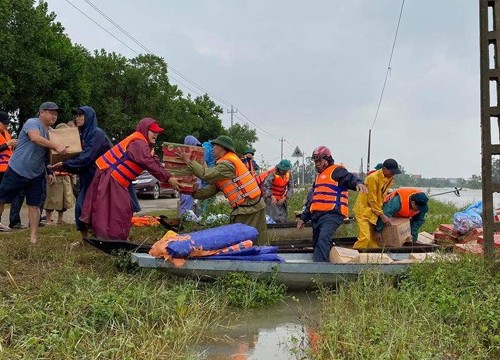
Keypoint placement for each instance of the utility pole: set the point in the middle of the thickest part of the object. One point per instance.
(232, 111)
(282, 140)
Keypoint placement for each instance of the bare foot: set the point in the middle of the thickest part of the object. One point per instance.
(33, 240)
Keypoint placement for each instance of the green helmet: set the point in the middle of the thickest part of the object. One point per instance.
(284, 165)
(224, 141)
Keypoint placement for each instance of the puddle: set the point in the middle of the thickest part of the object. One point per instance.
(278, 332)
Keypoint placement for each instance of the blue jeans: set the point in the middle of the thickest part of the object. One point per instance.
(324, 228)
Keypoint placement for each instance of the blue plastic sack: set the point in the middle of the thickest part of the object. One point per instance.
(468, 219)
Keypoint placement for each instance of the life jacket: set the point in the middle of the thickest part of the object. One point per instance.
(328, 194)
(145, 221)
(7, 153)
(262, 176)
(124, 170)
(279, 185)
(249, 165)
(61, 173)
(241, 187)
(404, 195)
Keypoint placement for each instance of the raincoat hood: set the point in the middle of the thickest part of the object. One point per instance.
(143, 126)
(90, 123)
(191, 140)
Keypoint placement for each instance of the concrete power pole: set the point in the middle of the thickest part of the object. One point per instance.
(232, 111)
(282, 140)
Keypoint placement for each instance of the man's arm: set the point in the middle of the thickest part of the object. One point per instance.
(416, 222)
(38, 139)
(390, 208)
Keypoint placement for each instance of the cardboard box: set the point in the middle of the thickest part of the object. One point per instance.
(449, 230)
(372, 258)
(342, 255)
(425, 238)
(496, 240)
(472, 235)
(396, 233)
(470, 247)
(176, 166)
(187, 183)
(68, 136)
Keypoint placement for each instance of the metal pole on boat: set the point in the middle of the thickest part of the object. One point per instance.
(368, 158)
(456, 192)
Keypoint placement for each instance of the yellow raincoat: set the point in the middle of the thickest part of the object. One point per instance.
(368, 208)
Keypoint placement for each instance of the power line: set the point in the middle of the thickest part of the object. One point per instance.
(389, 65)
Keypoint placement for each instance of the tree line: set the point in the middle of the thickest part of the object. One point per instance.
(40, 63)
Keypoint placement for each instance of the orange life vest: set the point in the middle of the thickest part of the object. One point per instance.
(7, 153)
(124, 170)
(262, 176)
(404, 195)
(243, 186)
(279, 185)
(328, 194)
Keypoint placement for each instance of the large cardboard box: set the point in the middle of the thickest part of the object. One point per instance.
(68, 136)
(176, 166)
(342, 255)
(372, 258)
(396, 233)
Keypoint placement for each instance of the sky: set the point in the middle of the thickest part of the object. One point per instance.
(312, 72)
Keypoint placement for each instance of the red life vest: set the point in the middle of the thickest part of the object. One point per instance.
(243, 186)
(279, 185)
(124, 170)
(404, 195)
(7, 153)
(328, 194)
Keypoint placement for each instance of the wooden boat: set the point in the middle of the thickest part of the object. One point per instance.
(298, 272)
(289, 246)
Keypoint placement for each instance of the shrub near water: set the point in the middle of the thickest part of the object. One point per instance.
(441, 310)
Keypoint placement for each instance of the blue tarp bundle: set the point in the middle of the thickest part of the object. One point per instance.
(254, 253)
(211, 239)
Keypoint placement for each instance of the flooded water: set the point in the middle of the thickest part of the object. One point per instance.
(278, 332)
(467, 196)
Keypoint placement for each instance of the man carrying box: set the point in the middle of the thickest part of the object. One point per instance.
(26, 169)
(409, 203)
(232, 177)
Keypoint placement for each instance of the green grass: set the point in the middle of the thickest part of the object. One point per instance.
(59, 303)
(440, 310)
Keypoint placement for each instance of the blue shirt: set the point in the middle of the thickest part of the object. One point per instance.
(29, 159)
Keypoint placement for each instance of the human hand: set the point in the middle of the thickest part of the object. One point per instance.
(273, 200)
(384, 218)
(61, 149)
(174, 183)
(12, 142)
(301, 224)
(281, 201)
(185, 156)
(56, 166)
(51, 179)
(362, 188)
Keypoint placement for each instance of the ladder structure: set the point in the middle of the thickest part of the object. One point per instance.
(489, 38)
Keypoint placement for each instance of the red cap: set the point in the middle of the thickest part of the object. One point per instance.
(154, 127)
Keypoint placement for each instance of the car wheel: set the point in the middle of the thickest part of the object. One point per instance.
(174, 195)
(156, 191)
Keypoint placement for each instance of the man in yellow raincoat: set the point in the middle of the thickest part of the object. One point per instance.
(368, 207)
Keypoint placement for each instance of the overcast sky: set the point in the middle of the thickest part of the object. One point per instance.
(312, 71)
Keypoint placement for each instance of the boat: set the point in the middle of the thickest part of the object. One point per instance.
(297, 272)
(289, 246)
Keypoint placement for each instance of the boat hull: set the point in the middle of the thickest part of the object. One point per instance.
(298, 272)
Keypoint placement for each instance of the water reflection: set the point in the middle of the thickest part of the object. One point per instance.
(279, 332)
(467, 196)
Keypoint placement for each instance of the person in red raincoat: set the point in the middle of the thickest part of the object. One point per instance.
(108, 207)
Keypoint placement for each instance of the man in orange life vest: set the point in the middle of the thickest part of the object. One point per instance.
(277, 189)
(407, 203)
(6, 146)
(232, 177)
(327, 201)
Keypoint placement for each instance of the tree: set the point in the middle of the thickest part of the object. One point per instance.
(39, 63)
(243, 137)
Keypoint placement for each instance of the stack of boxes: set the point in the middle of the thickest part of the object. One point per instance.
(176, 166)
